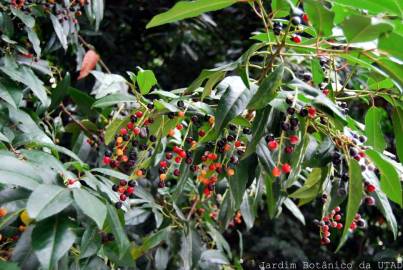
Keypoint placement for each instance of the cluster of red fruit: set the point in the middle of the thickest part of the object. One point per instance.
(289, 129)
(125, 189)
(333, 220)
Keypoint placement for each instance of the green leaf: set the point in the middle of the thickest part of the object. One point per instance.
(232, 103)
(281, 8)
(91, 206)
(6, 96)
(183, 10)
(389, 43)
(90, 242)
(59, 31)
(259, 127)
(34, 39)
(245, 172)
(52, 239)
(14, 171)
(267, 91)
(27, 19)
(113, 127)
(60, 91)
(358, 28)
(146, 80)
(393, 7)
(247, 212)
(4, 138)
(113, 99)
(373, 128)
(317, 73)
(48, 200)
(213, 256)
(355, 193)
(397, 119)
(9, 266)
(23, 252)
(294, 210)
(311, 187)
(27, 77)
(321, 17)
(150, 242)
(390, 181)
(118, 230)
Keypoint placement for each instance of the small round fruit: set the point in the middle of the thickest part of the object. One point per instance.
(272, 145)
(296, 20)
(286, 168)
(276, 172)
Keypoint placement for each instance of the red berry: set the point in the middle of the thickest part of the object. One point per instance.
(122, 197)
(311, 112)
(212, 167)
(294, 139)
(179, 126)
(202, 133)
(371, 188)
(337, 217)
(206, 192)
(136, 130)
(176, 149)
(339, 226)
(325, 228)
(123, 131)
(325, 219)
(163, 164)
(337, 209)
(326, 92)
(130, 190)
(139, 114)
(71, 181)
(276, 172)
(305, 17)
(325, 241)
(182, 154)
(177, 172)
(238, 143)
(272, 145)
(289, 149)
(353, 226)
(296, 39)
(362, 154)
(286, 168)
(130, 125)
(107, 160)
(168, 155)
(178, 159)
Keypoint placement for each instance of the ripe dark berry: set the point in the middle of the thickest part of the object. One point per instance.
(168, 155)
(202, 133)
(290, 110)
(123, 182)
(303, 112)
(150, 106)
(294, 122)
(194, 118)
(285, 126)
(277, 30)
(180, 104)
(307, 76)
(289, 149)
(296, 20)
(232, 127)
(108, 153)
(133, 118)
(289, 100)
(171, 115)
(230, 138)
(345, 177)
(118, 205)
(269, 137)
(115, 188)
(246, 131)
(277, 25)
(362, 139)
(369, 201)
(131, 183)
(177, 172)
(153, 138)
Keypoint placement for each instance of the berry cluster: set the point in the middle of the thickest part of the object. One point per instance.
(290, 127)
(297, 17)
(134, 146)
(333, 220)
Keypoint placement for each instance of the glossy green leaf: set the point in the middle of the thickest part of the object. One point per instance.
(27, 19)
(393, 7)
(59, 31)
(397, 119)
(232, 103)
(14, 171)
(317, 72)
(321, 17)
(150, 242)
(259, 127)
(358, 28)
(47, 200)
(245, 172)
(390, 180)
(293, 208)
(311, 187)
(355, 193)
(146, 80)
(118, 230)
(51, 240)
(389, 43)
(34, 39)
(91, 206)
(267, 90)
(281, 8)
(113, 99)
(188, 9)
(373, 129)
